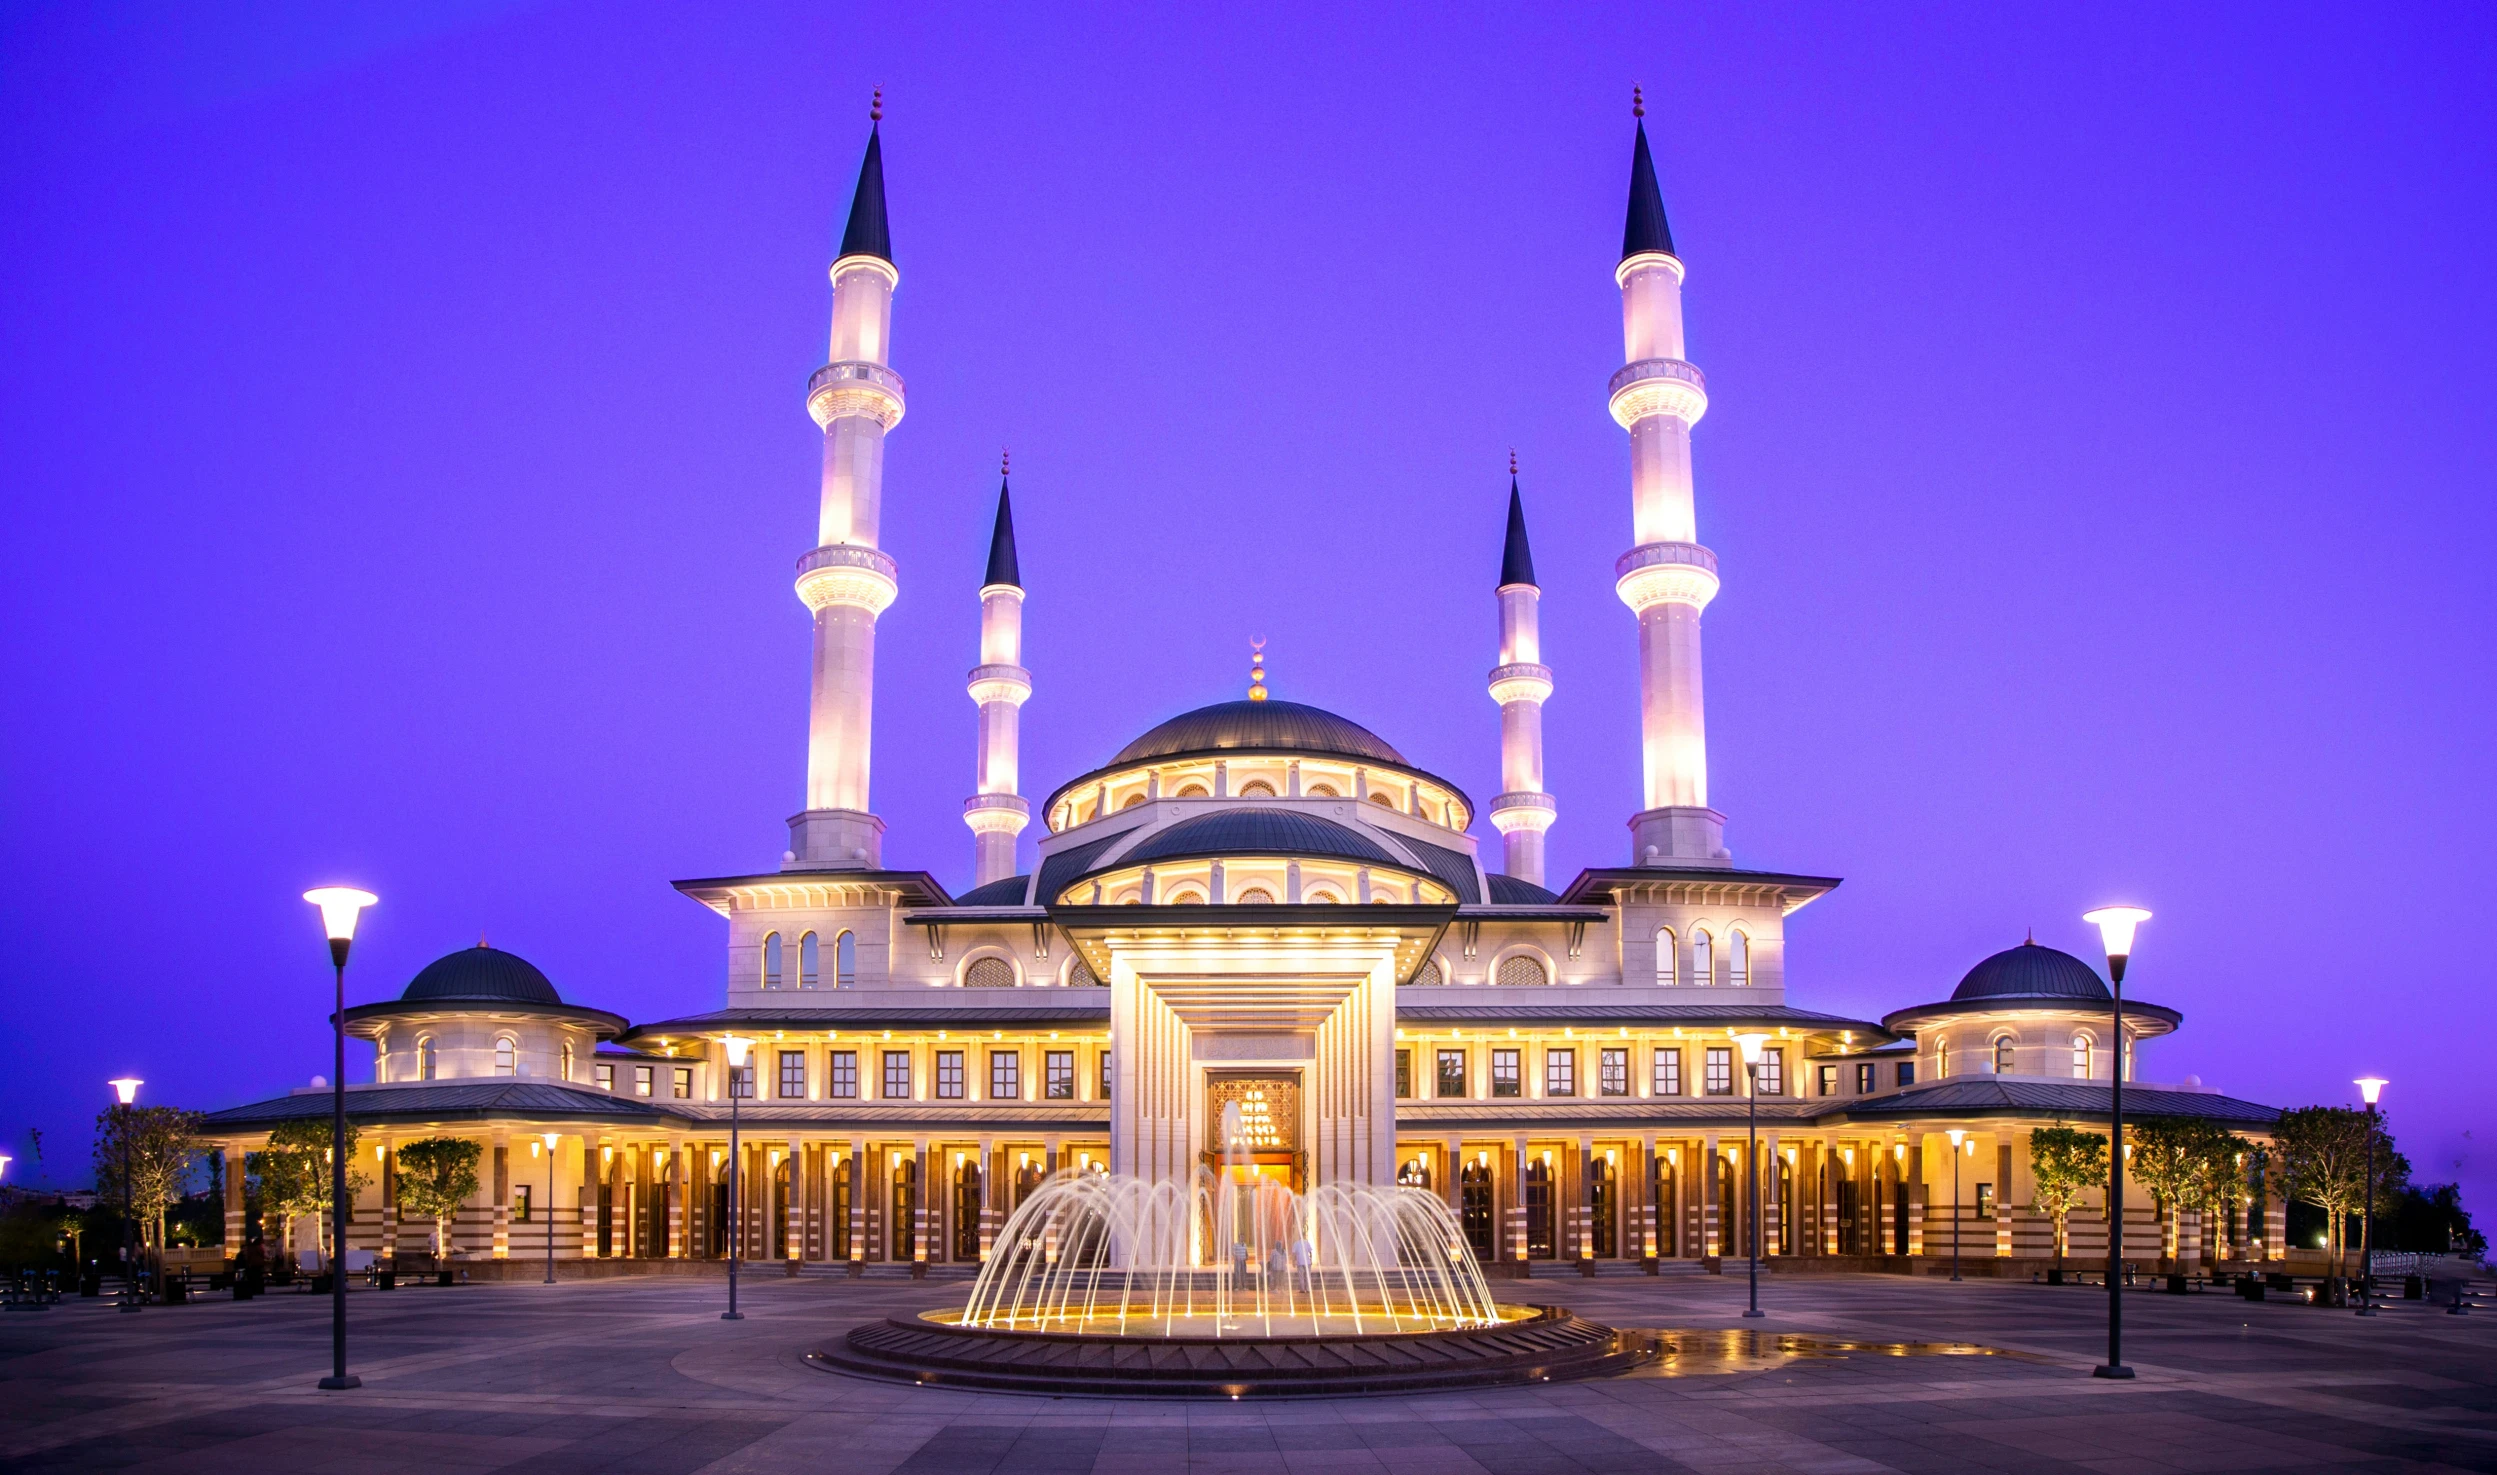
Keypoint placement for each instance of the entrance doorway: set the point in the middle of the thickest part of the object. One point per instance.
(1540, 1242)
(1604, 1200)
(1480, 1211)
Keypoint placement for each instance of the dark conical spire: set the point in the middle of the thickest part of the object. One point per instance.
(1002, 568)
(1517, 561)
(868, 235)
(1646, 229)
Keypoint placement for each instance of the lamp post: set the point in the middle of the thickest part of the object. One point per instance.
(2115, 929)
(340, 906)
(737, 1045)
(1751, 1044)
(127, 1088)
(1956, 1134)
(2369, 1087)
(551, 1139)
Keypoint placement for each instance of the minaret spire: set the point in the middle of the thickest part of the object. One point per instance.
(1667, 578)
(999, 687)
(847, 581)
(1520, 684)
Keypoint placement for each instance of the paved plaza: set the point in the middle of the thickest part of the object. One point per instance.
(1847, 1373)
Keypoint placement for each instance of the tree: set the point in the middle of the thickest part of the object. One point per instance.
(2221, 1189)
(2433, 1221)
(2188, 1162)
(436, 1175)
(2323, 1161)
(294, 1174)
(143, 1154)
(2064, 1163)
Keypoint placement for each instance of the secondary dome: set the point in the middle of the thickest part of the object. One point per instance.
(2031, 971)
(481, 972)
(1258, 726)
(1260, 832)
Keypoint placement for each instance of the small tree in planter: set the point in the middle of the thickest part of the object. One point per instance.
(436, 1176)
(2064, 1163)
(294, 1176)
(2168, 1159)
(143, 1160)
(2220, 1186)
(2323, 1161)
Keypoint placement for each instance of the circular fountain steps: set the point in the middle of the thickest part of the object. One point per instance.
(1550, 1346)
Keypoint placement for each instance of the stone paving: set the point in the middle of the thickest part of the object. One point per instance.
(641, 1376)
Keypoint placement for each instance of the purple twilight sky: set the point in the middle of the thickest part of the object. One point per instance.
(405, 462)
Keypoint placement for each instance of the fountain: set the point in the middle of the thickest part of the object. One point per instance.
(1230, 1283)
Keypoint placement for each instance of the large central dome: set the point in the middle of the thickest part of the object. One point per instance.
(1267, 726)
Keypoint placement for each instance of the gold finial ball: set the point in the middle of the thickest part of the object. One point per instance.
(1512, 460)
(1005, 463)
(875, 109)
(1638, 102)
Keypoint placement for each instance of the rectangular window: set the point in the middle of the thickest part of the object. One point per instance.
(1985, 1200)
(1772, 1076)
(1105, 1075)
(1668, 1072)
(1504, 1073)
(1005, 1075)
(1058, 1075)
(741, 1081)
(949, 1075)
(520, 1203)
(1907, 1072)
(793, 1075)
(605, 1075)
(684, 1083)
(1864, 1080)
(1613, 1073)
(897, 1075)
(1720, 1066)
(841, 1075)
(1404, 1073)
(1560, 1072)
(1827, 1080)
(1452, 1072)
(641, 1080)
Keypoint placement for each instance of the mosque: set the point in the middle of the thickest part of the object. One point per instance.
(1261, 904)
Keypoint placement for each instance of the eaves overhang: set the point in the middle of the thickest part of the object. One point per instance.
(1904, 1021)
(380, 1014)
(1416, 926)
(818, 888)
(1612, 887)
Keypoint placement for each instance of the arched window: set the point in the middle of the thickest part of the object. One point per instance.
(1941, 1056)
(1703, 960)
(506, 1056)
(2080, 1057)
(845, 960)
(1257, 788)
(1130, 897)
(1081, 975)
(1666, 962)
(1322, 791)
(771, 961)
(1131, 801)
(1322, 898)
(1187, 899)
(2127, 1047)
(1383, 801)
(425, 1057)
(810, 962)
(567, 1060)
(1191, 791)
(1255, 896)
(988, 973)
(1436, 973)
(1737, 959)
(2003, 1056)
(1522, 970)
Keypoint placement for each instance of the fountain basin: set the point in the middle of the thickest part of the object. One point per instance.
(1540, 1344)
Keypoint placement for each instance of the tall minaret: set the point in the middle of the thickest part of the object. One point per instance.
(1520, 683)
(1668, 578)
(1000, 685)
(847, 581)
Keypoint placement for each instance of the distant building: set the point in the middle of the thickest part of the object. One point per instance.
(1262, 903)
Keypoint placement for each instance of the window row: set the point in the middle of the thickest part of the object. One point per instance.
(842, 1081)
(645, 1080)
(1825, 1083)
(2006, 1055)
(1705, 965)
(1561, 1077)
(810, 961)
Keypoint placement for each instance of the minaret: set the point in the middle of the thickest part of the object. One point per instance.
(1520, 683)
(1668, 578)
(847, 581)
(1000, 685)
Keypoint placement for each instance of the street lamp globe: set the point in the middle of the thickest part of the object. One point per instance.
(127, 1088)
(2370, 1087)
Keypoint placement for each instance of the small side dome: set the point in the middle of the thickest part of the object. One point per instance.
(481, 973)
(2031, 971)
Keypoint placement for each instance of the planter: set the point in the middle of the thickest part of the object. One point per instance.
(2054, 1276)
(2176, 1285)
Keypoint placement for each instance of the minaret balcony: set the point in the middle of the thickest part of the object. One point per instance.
(1000, 684)
(855, 387)
(997, 814)
(1657, 387)
(1520, 683)
(847, 573)
(1666, 573)
(1532, 813)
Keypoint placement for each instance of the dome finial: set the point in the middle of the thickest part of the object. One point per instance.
(1638, 101)
(1257, 669)
(1005, 462)
(1512, 460)
(481, 939)
(875, 109)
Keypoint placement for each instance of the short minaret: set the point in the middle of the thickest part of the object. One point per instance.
(847, 581)
(1000, 686)
(1520, 683)
(1668, 578)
